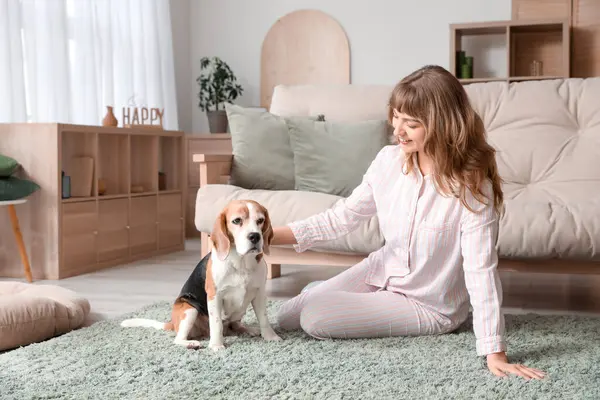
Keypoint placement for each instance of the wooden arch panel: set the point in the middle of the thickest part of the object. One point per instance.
(303, 47)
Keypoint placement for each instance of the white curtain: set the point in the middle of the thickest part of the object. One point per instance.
(66, 60)
(12, 82)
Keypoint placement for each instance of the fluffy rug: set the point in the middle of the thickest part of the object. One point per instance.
(105, 361)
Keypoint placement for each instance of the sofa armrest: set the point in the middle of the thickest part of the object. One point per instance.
(214, 168)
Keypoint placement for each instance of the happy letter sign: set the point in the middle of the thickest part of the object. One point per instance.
(141, 117)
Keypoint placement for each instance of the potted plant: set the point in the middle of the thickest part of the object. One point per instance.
(218, 85)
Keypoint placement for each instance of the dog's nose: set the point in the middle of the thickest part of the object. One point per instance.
(253, 237)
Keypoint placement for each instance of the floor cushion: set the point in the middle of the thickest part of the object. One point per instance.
(286, 206)
(31, 313)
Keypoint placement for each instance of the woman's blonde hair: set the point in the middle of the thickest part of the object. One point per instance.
(455, 137)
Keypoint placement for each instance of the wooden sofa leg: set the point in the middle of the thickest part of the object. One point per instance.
(273, 271)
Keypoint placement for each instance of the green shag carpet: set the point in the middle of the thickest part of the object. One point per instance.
(105, 361)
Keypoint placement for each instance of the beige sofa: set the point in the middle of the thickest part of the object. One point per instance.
(547, 134)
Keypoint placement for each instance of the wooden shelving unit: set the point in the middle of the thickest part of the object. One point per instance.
(128, 202)
(523, 43)
(583, 16)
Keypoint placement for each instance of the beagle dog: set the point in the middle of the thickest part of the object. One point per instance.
(215, 297)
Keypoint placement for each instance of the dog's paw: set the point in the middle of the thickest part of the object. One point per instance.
(193, 345)
(241, 329)
(271, 336)
(253, 331)
(216, 346)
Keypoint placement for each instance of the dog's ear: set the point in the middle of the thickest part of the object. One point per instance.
(220, 237)
(267, 231)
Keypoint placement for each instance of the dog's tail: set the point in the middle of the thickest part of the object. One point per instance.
(146, 323)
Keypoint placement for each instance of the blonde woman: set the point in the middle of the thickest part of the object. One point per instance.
(438, 198)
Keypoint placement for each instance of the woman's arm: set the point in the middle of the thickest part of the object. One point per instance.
(479, 232)
(340, 219)
(283, 235)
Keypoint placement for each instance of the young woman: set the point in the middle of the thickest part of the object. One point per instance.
(438, 198)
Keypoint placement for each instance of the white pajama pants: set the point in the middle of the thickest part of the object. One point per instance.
(346, 307)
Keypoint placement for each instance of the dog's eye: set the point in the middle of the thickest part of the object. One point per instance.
(237, 221)
(260, 221)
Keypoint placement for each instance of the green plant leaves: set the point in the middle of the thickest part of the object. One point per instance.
(217, 83)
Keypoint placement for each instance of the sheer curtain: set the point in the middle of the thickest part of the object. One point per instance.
(66, 60)
(12, 81)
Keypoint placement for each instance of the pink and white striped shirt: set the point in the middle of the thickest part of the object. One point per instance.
(436, 251)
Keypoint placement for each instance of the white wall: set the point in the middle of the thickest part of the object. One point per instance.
(388, 38)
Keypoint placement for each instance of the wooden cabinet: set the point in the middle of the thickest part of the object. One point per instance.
(216, 143)
(584, 20)
(170, 220)
(113, 229)
(79, 237)
(128, 200)
(536, 9)
(143, 225)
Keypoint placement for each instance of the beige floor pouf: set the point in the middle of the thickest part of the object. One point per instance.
(32, 313)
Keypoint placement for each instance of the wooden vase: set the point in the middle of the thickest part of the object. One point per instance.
(109, 118)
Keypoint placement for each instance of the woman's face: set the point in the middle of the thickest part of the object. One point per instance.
(409, 132)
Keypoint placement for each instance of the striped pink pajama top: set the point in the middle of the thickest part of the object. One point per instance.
(436, 252)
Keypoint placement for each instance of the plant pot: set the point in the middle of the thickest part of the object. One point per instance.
(217, 121)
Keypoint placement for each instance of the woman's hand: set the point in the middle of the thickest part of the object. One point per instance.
(498, 364)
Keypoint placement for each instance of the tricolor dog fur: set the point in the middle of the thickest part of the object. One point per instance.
(215, 297)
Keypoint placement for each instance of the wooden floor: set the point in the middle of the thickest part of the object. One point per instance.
(126, 288)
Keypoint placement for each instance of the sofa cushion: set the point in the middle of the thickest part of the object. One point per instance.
(339, 102)
(547, 134)
(262, 154)
(322, 150)
(286, 206)
(13, 188)
(8, 166)
(32, 313)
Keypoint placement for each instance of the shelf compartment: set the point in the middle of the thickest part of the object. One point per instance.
(170, 163)
(543, 43)
(488, 45)
(113, 165)
(144, 164)
(78, 155)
